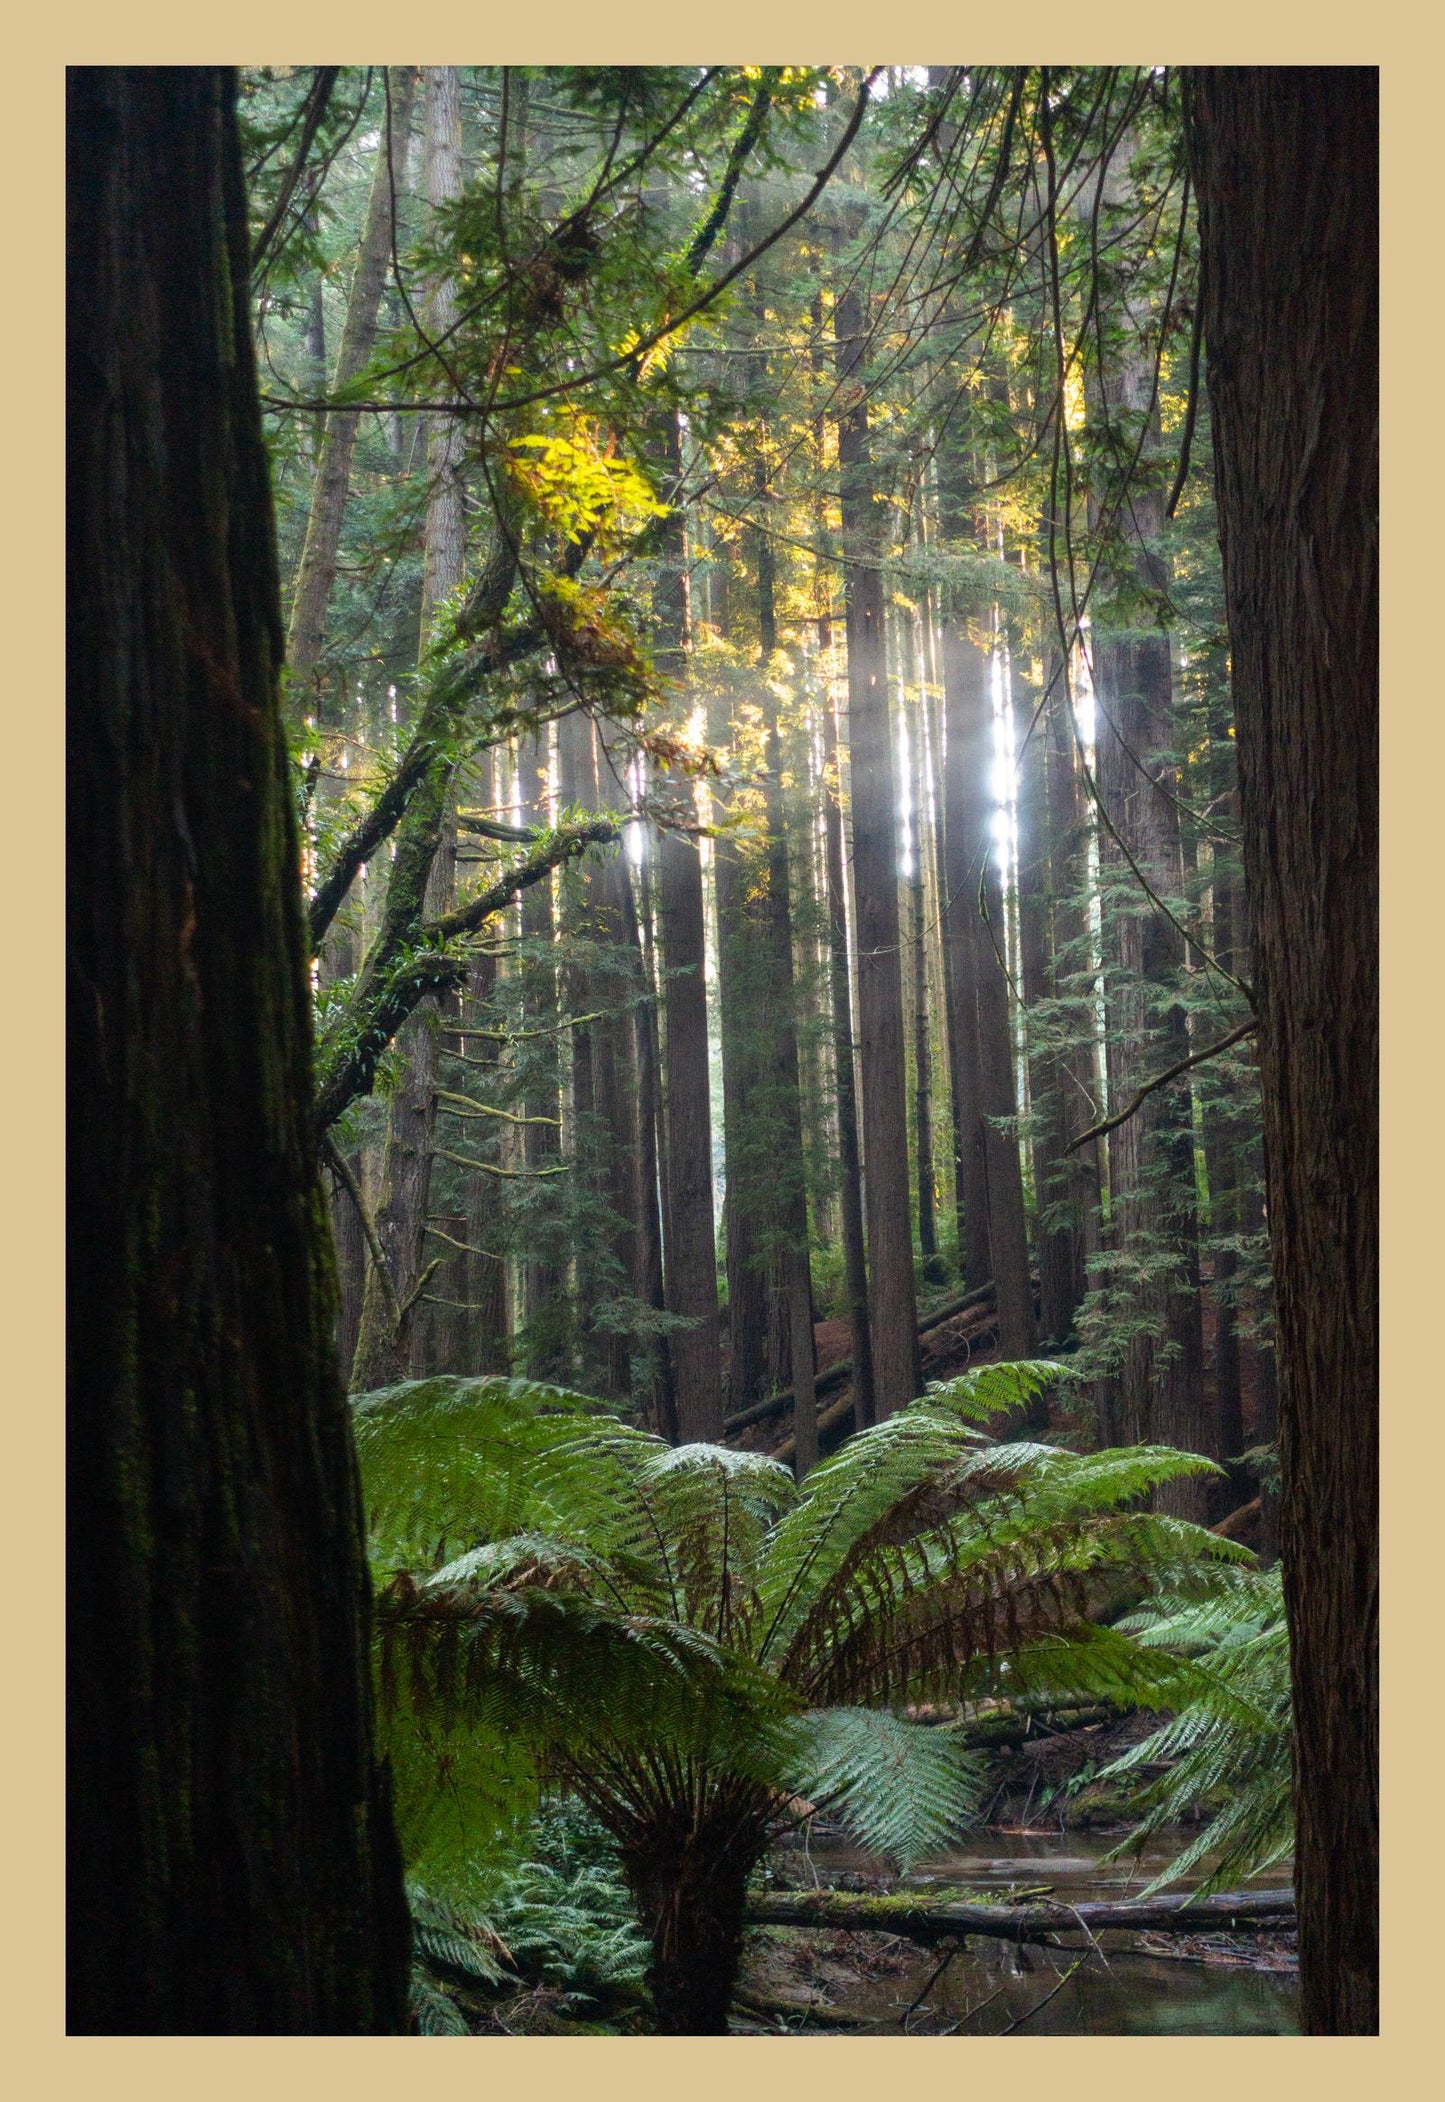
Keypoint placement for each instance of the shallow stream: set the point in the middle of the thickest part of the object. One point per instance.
(987, 1986)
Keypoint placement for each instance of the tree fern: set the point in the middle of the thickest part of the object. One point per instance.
(689, 1641)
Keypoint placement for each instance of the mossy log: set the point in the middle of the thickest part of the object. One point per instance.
(937, 1917)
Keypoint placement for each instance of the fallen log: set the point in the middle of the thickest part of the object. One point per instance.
(990, 1732)
(935, 1918)
(834, 1375)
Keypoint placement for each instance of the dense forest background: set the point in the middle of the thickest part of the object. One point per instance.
(831, 994)
(868, 611)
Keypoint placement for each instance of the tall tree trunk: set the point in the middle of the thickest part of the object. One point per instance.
(964, 667)
(990, 1179)
(791, 1269)
(1286, 159)
(1049, 840)
(918, 936)
(316, 573)
(544, 1298)
(690, 1271)
(742, 1005)
(855, 1270)
(1154, 1225)
(594, 1139)
(660, 1399)
(232, 1866)
(383, 1352)
(892, 1300)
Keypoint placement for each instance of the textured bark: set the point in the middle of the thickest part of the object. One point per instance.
(590, 1142)
(660, 1399)
(922, 1045)
(545, 1306)
(482, 1269)
(962, 664)
(892, 1302)
(741, 1000)
(791, 1272)
(689, 1880)
(1050, 851)
(231, 1860)
(316, 572)
(690, 1263)
(1286, 162)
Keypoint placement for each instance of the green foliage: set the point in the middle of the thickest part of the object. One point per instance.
(904, 1790)
(559, 1917)
(629, 1614)
(1230, 1739)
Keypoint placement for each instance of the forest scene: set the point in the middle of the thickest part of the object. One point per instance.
(722, 1048)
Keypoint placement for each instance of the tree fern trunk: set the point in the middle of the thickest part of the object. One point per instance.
(689, 1882)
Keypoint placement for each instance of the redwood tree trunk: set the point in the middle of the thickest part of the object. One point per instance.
(892, 1300)
(1154, 1228)
(1286, 159)
(316, 573)
(384, 1353)
(990, 1179)
(231, 1857)
(855, 1270)
(690, 1263)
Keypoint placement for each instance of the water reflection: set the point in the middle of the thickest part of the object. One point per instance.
(989, 1988)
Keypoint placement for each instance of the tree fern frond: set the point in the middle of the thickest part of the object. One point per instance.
(903, 1789)
(987, 1391)
(434, 2012)
(451, 1462)
(1230, 1731)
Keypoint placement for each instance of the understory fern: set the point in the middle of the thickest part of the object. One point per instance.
(697, 1648)
(560, 1918)
(1231, 1735)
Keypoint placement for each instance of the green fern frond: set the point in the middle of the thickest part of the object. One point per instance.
(1230, 1731)
(903, 1790)
(434, 2012)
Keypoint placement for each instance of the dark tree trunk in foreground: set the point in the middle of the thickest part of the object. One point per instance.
(1286, 162)
(232, 1863)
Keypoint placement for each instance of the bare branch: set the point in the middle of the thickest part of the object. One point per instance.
(1150, 1087)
